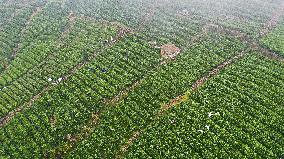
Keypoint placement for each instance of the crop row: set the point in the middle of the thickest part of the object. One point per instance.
(166, 21)
(240, 15)
(165, 26)
(36, 41)
(58, 105)
(249, 17)
(117, 124)
(10, 34)
(6, 14)
(128, 12)
(84, 41)
(274, 40)
(65, 109)
(159, 21)
(8, 9)
(179, 21)
(238, 114)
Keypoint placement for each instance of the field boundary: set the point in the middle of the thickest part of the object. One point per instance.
(121, 33)
(182, 98)
(215, 71)
(243, 37)
(273, 22)
(124, 148)
(59, 41)
(6, 119)
(87, 128)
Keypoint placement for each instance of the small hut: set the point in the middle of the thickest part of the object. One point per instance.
(169, 51)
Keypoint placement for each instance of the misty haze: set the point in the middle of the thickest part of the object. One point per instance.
(141, 79)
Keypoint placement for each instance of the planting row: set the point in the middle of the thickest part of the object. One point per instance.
(6, 14)
(238, 114)
(84, 41)
(35, 41)
(10, 33)
(116, 124)
(166, 25)
(179, 20)
(274, 40)
(67, 108)
(22, 3)
(158, 20)
(247, 16)
(128, 12)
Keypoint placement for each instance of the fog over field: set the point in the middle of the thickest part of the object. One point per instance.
(141, 79)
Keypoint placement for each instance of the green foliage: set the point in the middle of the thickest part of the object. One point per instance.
(118, 123)
(72, 103)
(274, 40)
(246, 121)
(86, 93)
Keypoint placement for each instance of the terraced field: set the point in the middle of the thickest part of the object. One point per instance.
(141, 79)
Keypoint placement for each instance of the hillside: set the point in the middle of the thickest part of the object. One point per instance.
(141, 79)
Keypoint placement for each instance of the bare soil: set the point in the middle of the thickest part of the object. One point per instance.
(123, 149)
(274, 20)
(169, 51)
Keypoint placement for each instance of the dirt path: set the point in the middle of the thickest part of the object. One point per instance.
(124, 148)
(246, 39)
(6, 119)
(179, 99)
(122, 94)
(215, 71)
(200, 82)
(274, 20)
